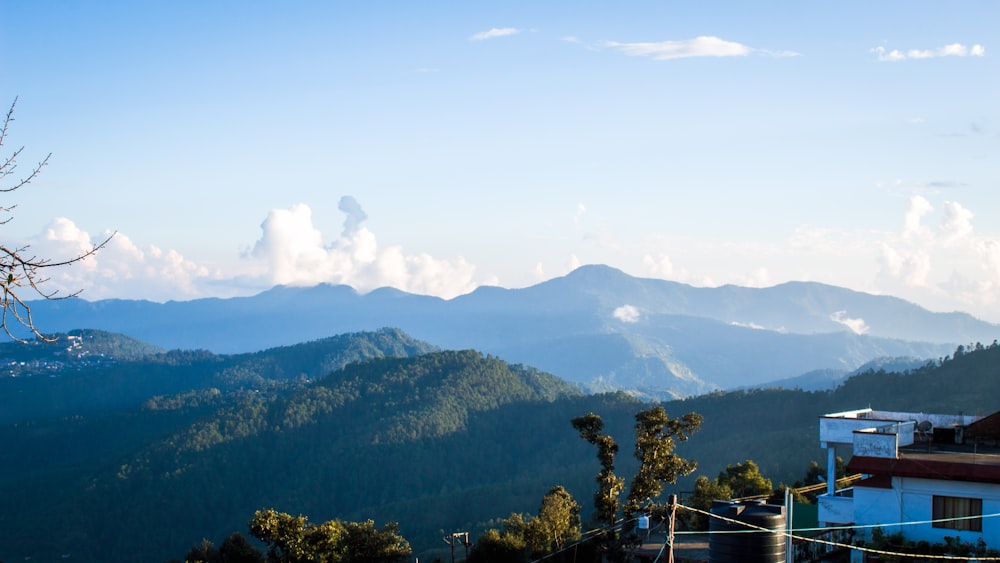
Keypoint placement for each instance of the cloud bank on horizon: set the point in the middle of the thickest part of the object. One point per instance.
(944, 266)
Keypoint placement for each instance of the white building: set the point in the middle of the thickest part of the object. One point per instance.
(927, 476)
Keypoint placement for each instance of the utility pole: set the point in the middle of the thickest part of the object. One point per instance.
(463, 537)
(672, 500)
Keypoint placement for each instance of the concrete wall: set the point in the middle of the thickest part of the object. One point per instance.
(911, 500)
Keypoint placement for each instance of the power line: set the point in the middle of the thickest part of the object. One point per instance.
(790, 535)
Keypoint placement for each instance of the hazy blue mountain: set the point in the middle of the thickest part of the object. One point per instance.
(596, 326)
(823, 379)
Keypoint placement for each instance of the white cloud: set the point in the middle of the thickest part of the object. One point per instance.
(760, 277)
(626, 314)
(952, 50)
(752, 325)
(290, 251)
(703, 46)
(659, 266)
(956, 223)
(917, 208)
(119, 270)
(293, 251)
(573, 263)
(946, 268)
(494, 33)
(581, 210)
(858, 325)
(989, 250)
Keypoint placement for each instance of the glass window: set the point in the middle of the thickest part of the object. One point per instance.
(956, 513)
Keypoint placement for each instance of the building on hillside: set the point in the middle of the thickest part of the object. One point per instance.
(927, 476)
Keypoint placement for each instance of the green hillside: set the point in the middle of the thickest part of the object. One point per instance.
(440, 442)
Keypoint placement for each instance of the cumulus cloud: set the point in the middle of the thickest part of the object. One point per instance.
(704, 46)
(120, 270)
(626, 314)
(573, 262)
(294, 253)
(290, 251)
(917, 208)
(494, 33)
(857, 325)
(949, 265)
(659, 266)
(952, 50)
(355, 215)
(956, 222)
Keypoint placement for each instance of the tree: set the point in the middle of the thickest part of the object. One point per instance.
(19, 269)
(737, 481)
(293, 539)
(656, 437)
(234, 549)
(364, 543)
(609, 485)
(559, 517)
(500, 546)
(705, 491)
(284, 534)
(745, 480)
(524, 537)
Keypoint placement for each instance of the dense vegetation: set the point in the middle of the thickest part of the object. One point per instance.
(157, 453)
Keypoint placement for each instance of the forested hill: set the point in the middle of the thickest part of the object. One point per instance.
(442, 441)
(77, 348)
(94, 372)
(372, 434)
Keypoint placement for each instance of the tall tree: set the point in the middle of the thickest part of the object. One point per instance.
(609, 485)
(656, 437)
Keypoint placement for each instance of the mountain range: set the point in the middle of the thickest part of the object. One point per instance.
(597, 327)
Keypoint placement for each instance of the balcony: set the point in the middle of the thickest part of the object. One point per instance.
(837, 508)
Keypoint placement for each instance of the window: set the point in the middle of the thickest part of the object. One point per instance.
(955, 512)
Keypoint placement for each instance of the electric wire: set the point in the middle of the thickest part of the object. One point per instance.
(757, 529)
(791, 535)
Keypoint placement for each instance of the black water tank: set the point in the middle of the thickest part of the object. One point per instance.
(743, 541)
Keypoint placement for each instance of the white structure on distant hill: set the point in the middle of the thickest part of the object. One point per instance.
(926, 475)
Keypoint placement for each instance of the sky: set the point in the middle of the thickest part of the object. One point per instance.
(439, 146)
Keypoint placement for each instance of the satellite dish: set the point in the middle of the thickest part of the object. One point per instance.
(924, 428)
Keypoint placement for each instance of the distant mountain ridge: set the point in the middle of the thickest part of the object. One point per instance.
(597, 326)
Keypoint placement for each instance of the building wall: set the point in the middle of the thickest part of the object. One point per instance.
(911, 500)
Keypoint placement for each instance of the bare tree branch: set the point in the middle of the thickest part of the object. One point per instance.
(21, 272)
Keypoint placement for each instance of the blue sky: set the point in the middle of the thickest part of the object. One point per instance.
(439, 146)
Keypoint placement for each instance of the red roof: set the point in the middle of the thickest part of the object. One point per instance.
(981, 468)
(986, 427)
